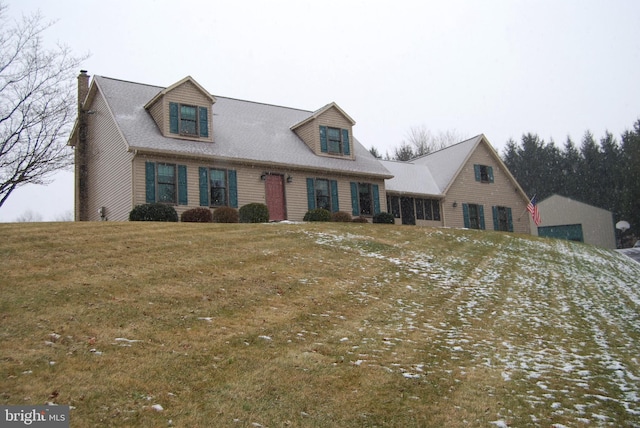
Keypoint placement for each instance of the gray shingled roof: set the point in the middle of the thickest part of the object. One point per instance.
(445, 164)
(430, 174)
(242, 131)
(410, 178)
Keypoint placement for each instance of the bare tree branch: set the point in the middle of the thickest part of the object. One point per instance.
(37, 103)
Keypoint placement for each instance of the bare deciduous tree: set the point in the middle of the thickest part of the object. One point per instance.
(37, 103)
(424, 142)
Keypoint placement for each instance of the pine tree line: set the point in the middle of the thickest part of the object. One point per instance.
(604, 174)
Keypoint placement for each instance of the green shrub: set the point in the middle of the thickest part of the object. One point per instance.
(225, 215)
(153, 212)
(360, 219)
(341, 216)
(254, 213)
(318, 214)
(385, 218)
(197, 215)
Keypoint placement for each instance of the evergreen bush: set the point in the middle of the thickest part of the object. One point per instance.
(225, 215)
(318, 214)
(385, 218)
(197, 215)
(153, 212)
(254, 213)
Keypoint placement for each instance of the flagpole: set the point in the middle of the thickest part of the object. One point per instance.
(525, 208)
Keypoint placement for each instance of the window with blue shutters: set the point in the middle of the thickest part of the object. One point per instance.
(502, 219)
(365, 199)
(218, 187)
(483, 173)
(334, 141)
(166, 183)
(322, 193)
(473, 216)
(188, 120)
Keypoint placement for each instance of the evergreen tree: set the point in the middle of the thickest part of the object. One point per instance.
(571, 161)
(631, 172)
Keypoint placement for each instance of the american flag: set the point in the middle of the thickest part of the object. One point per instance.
(533, 209)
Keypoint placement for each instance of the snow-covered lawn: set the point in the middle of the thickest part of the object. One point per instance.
(561, 327)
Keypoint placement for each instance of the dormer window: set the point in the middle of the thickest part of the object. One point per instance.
(189, 120)
(334, 141)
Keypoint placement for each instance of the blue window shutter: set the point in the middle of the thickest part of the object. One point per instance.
(150, 182)
(490, 172)
(345, 142)
(311, 194)
(496, 221)
(203, 173)
(182, 185)
(481, 212)
(233, 188)
(204, 121)
(334, 196)
(323, 139)
(173, 118)
(476, 170)
(376, 198)
(509, 216)
(355, 206)
(465, 214)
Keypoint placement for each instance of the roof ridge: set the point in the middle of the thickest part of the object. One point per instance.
(263, 103)
(448, 147)
(217, 96)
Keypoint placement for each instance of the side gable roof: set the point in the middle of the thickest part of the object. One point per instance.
(177, 84)
(244, 131)
(445, 165)
(319, 113)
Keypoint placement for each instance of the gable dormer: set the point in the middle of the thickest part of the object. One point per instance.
(328, 132)
(183, 110)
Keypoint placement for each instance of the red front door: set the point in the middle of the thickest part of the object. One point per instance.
(274, 192)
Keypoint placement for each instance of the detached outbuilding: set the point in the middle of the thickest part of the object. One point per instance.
(569, 219)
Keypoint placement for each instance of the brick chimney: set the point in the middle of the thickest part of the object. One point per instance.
(83, 88)
(81, 197)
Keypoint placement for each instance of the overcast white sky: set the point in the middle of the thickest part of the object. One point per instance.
(501, 68)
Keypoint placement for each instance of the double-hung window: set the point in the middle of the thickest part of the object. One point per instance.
(365, 199)
(473, 216)
(334, 141)
(188, 120)
(483, 173)
(322, 193)
(502, 219)
(218, 187)
(166, 183)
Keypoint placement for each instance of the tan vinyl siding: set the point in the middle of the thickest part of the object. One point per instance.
(157, 111)
(108, 166)
(597, 224)
(502, 192)
(187, 93)
(250, 187)
(310, 134)
(310, 131)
